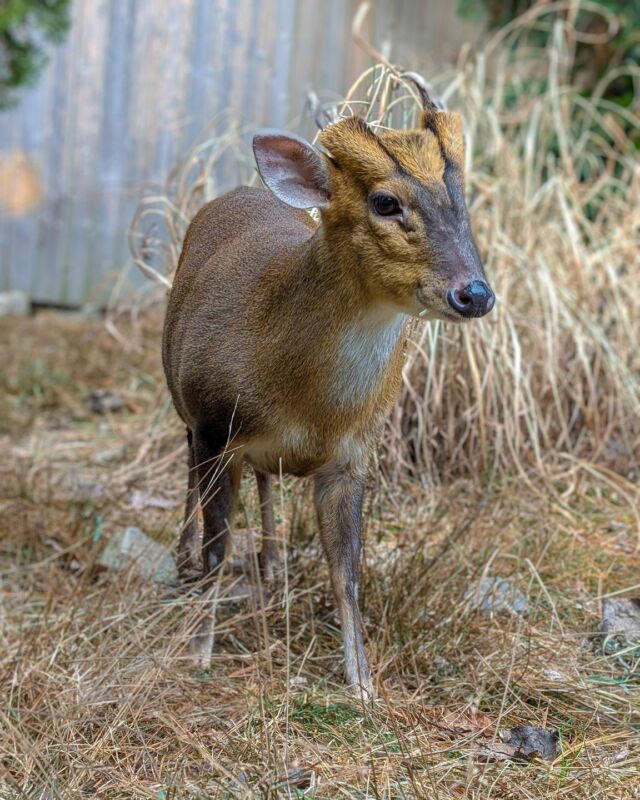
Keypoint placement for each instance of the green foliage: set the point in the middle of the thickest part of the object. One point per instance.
(593, 59)
(26, 26)
(500, 12)
(596, 54)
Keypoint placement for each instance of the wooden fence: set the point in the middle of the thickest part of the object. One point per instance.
(138, 82)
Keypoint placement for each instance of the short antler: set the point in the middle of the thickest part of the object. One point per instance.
(423, 90)
(323, 117)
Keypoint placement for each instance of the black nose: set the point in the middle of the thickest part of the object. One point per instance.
(475, 300)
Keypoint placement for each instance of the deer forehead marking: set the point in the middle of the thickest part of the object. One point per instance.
(416, 153)
(421, 154)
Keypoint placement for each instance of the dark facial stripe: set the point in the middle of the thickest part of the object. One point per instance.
(453, 189)
(393, 158)
(403, 172)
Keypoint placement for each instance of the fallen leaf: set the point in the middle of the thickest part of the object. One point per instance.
(493, 751)
(470, 722)
(466, 721)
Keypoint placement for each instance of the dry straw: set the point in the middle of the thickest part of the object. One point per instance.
(549, 383)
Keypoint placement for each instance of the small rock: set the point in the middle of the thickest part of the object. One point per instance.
(621, 617)
(556, 676)
(134, 548)
(529, 742)
(140, 500)
(14, 304)
(620, 627)
(522, 742)
(104, 401)
(496, 596)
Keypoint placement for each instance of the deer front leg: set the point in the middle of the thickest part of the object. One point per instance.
(269, 553)
(338, 499)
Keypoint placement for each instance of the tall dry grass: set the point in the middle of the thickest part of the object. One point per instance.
(549, 383)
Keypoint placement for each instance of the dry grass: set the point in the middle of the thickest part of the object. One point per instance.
(100, 700)
(525, 429)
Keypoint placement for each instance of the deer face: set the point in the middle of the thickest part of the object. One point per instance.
(395, 202)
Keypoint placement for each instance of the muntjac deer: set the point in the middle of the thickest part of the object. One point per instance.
(284, 338)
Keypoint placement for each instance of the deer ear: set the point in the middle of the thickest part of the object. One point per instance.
(292, 169)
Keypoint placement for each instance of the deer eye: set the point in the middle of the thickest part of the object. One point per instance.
(385, 205)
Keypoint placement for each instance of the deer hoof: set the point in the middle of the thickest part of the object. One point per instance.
(201, 644)
(363, 690)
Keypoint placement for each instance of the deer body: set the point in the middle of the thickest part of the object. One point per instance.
(331, 365)
(284, 338)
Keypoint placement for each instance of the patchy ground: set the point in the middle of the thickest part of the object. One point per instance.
(99, 699)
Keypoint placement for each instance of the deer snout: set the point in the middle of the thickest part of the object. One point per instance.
(475, 300)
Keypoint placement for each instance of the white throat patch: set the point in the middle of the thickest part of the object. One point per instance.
(364, 353)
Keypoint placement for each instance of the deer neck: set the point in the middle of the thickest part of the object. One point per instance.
(357, 338)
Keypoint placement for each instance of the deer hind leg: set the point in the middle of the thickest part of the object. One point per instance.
(217, 477)
(338, 499)
(188, 557)
(268, 557)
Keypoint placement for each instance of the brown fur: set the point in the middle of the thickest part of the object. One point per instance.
(283, 342)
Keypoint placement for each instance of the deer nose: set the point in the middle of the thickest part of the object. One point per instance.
(475, 300)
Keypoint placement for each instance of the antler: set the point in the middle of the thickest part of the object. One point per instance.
(323, 117)
(423, 90)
